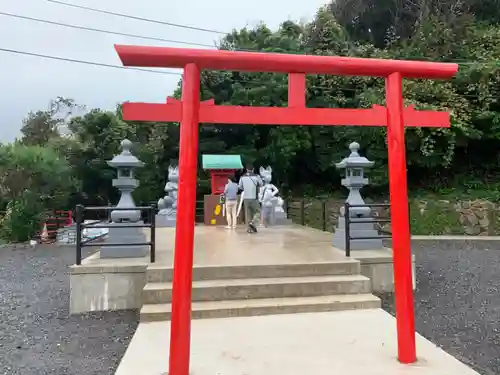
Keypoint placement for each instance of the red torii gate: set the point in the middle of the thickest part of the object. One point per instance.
(190, 112)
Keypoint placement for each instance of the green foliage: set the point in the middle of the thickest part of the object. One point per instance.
(461, 162)
(42, 126)
(39, 170)
(435, 219)
(22, 219)
(97, 136)
(32, 179)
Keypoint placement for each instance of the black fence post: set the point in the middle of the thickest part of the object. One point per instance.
(302, 212)
(324, 215)
(109, 212)
(79, 220)
(152, 213)
(347, 230)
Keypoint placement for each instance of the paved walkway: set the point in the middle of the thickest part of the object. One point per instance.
(347, 342)
(217, 246)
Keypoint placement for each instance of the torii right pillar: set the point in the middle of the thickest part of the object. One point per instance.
(398, 189)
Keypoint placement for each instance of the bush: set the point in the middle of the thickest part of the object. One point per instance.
(38, 170)
(22, 219)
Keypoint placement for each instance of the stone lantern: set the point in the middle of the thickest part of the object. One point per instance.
(354, 166)
(125, 164)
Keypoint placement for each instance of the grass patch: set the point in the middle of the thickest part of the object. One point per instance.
(434, 219)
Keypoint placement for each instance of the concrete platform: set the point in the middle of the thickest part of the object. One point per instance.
(217, 246)
(282, 251)
(107, 284)
(348, 342)
(288, 244)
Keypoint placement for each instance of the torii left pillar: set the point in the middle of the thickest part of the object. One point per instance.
(184, 231)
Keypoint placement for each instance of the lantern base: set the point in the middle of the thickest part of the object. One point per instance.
(357, 230)
(128, 236)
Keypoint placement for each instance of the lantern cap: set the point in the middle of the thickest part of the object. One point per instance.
(354, 160)
(125, 159)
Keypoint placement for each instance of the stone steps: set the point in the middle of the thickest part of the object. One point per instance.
(234, 289)
(264, 306)
(160, 274)
(228, 291)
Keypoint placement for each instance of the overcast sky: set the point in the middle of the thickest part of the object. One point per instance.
(28, 83)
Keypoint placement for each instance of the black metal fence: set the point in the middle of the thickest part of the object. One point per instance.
(80, 226)
(349, 220)
(313, 213)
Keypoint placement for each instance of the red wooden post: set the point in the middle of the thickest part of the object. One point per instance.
(297, 90)
(399, 218)
(180, 334)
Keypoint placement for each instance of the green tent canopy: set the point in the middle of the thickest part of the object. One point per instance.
(221, 162)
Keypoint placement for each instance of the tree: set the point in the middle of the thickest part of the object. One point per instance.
(37, 169)
(452, 30)
(98, 135)
(32, 180)
(41, 126)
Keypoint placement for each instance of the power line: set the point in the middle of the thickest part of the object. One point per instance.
(84, 62)
(103, 31)
(138, 18)
(249, 80)
(463, 62)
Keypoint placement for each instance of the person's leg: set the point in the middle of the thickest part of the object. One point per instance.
(234, 211)
(255, 214)
(251, 215)
(257, 210)
(229, 218)
(246, 206)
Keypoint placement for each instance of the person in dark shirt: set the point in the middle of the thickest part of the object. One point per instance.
(250, 183)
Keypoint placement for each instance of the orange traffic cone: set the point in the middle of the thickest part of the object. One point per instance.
(45, 234)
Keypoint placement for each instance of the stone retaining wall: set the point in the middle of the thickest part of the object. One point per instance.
(427, 217)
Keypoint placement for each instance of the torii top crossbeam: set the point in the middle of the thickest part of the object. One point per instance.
(280, 62)
(297, 66)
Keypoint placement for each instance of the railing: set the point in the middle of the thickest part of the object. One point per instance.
(349, 221)
(79, 219)
(314, 213)
(54, 220)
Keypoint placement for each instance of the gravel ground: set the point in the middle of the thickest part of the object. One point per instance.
(37, 335)
(457, 301)
(457, 307)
